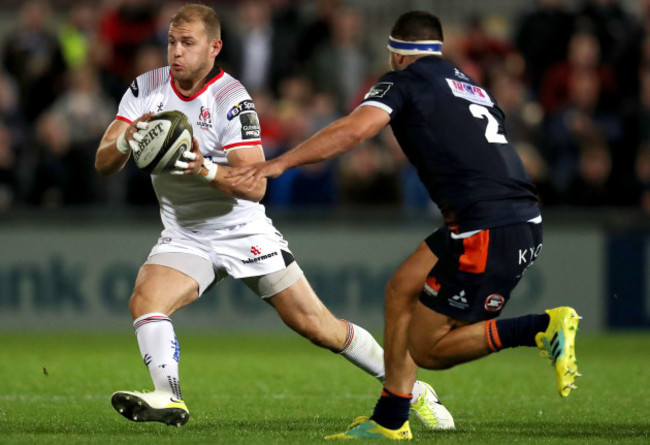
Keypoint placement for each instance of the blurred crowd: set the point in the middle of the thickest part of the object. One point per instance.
(574, 83)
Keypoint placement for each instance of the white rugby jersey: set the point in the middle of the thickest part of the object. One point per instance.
(223, 118)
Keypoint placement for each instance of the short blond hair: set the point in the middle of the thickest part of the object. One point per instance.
(193, 12)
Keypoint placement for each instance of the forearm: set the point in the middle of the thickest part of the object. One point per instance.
(333, 140)
(109, 159)
(241, 191)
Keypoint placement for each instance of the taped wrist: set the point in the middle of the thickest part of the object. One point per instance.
(209, 170)
(121, 144)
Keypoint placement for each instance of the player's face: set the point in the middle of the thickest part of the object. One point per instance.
(190, 53)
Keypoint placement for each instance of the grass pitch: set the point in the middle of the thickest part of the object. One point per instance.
(278, 388)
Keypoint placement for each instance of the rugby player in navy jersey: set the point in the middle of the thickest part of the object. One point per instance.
(441, 303)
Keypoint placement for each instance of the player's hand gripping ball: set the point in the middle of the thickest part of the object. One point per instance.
(163, 142)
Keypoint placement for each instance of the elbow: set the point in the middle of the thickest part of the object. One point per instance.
(101, 168)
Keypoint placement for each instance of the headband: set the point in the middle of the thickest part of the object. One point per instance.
(428, 47)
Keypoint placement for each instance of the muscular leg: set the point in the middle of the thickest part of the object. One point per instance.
(437, 341)
(301, 310)
(160, 291)
(402, 294)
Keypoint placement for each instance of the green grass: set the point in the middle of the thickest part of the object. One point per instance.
(274, 388)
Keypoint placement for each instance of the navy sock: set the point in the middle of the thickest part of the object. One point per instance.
(392, 410)
(518, 331)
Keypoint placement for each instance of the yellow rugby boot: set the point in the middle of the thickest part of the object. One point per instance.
(364, 428)
(557, 344)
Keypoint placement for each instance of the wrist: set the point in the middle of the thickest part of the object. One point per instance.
(121, 144)
(208, 170)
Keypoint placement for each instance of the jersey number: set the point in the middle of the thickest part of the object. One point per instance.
(492, 130)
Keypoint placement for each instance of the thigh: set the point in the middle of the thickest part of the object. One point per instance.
(162, 289)
(300, 309)
(409, 279)
(298, 302)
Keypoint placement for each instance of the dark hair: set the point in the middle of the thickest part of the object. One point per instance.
(417, 25)
(196, 12)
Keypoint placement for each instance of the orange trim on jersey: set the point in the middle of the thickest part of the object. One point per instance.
(198, 93)
(241, 144)
(474, 259)
(122, 118)
(492, 335)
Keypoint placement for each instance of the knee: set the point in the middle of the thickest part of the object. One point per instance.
(426, 356)
(138, 304)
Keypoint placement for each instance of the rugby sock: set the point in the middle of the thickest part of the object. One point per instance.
(362, 349)
(160, 351)
(392, 409)
(512, 332)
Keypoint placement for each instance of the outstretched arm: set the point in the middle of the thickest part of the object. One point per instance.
(337, 138)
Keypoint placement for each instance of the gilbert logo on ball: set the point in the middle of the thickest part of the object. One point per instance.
(168, 136)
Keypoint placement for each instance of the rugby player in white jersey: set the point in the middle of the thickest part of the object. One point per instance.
(212, 229)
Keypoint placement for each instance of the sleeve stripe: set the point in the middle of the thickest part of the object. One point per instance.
(241, 144)
(374, 103)
(122, 118)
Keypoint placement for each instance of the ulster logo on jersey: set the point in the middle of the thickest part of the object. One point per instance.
(205, 119)
(379, 90)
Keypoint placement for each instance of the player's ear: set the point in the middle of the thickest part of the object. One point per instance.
(215, 47)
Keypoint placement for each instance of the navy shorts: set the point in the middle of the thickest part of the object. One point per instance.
(474, 276)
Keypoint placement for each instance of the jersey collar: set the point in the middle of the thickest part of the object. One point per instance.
(214, 75)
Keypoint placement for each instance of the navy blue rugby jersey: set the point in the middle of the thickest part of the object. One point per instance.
(452, 131)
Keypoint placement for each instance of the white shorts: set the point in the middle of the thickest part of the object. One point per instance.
(250, 251)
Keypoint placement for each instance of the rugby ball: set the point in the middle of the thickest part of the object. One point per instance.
(168, 136)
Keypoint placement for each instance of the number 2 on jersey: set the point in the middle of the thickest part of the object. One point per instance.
(492, 130)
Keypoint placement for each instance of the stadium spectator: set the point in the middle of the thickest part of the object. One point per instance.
(591, 186)
(77, 33)
(63, 172)
(486, 50)
(441, 302)
(32, 55)
(620, 36)
(212, 229)
(583, 57)
(537, 168)
(318, 30)
(542, 36)
(263, 43)
(578, 120)
(642, 177)
(367, 176)
(346, 47)
(86, 108)
(7, 170)
(124, 26)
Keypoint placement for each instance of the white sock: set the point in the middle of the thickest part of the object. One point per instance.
(362, 349)
(160, 351)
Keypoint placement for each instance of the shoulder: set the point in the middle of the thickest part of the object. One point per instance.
(147, 83)
(227, 88)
